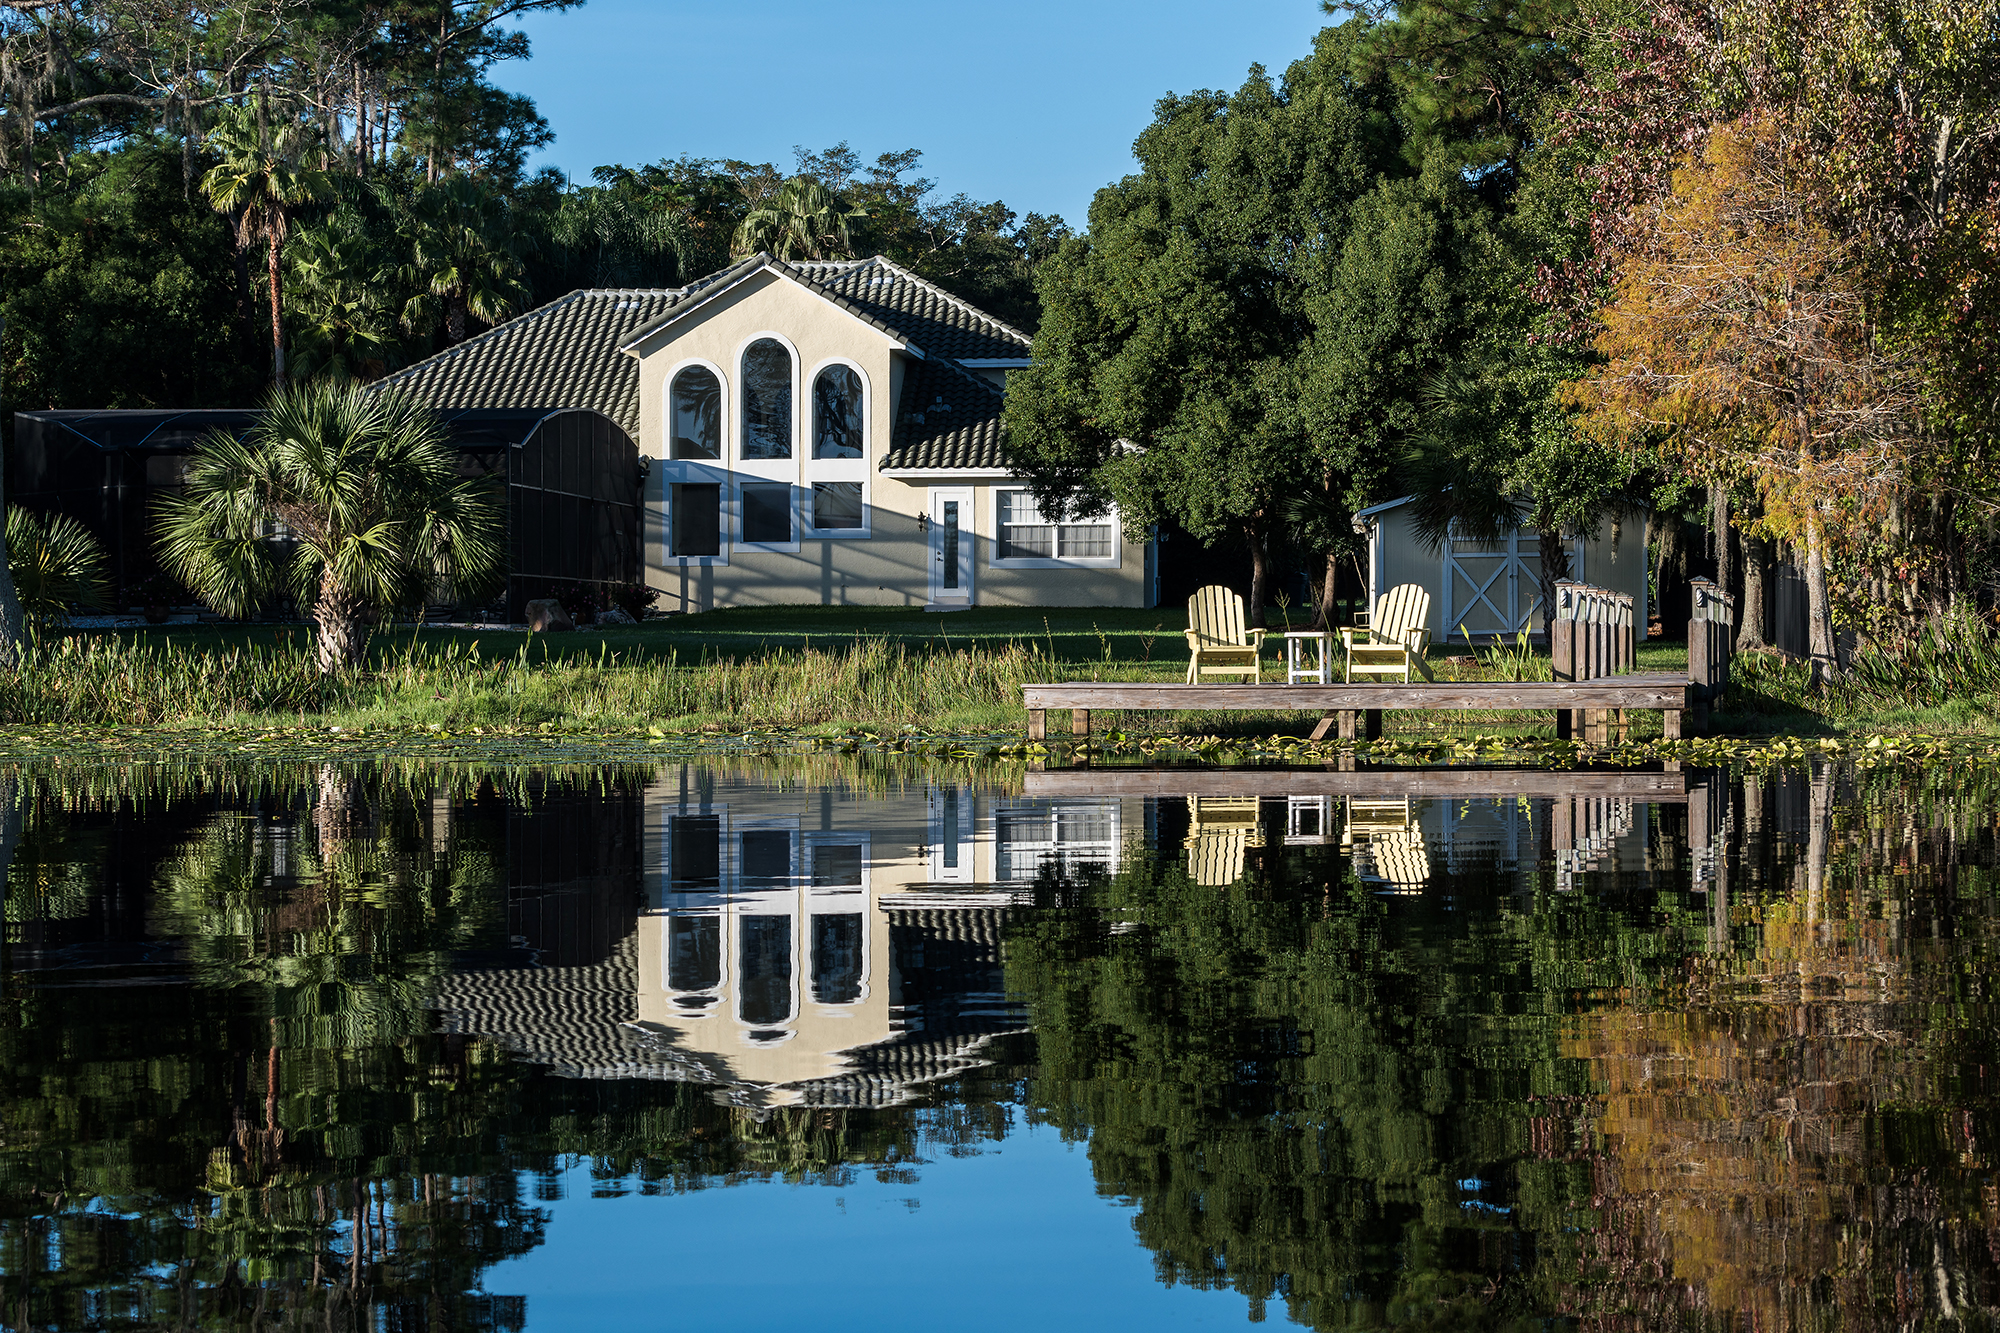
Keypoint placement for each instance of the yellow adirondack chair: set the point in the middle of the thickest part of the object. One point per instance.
(1218, 642)
(1387, 845)
(1394, 640)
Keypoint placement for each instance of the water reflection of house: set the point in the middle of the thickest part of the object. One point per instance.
(794, 944)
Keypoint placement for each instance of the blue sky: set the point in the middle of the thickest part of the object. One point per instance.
(1035, 102)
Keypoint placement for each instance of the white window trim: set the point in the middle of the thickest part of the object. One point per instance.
(769, 469)
(991, 512)
(839, 469)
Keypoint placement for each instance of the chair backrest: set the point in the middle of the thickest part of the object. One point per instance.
(1405, 607)
(1215, 614)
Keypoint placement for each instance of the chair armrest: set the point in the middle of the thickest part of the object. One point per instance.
(1257, 637)
(1417, 639)
(1194, 639)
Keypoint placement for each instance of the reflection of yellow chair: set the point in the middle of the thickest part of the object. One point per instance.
(1387, 844)
(1395, 637)
(1218, 642)
(1221, 829)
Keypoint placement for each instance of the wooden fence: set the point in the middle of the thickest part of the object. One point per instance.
(1590, 636)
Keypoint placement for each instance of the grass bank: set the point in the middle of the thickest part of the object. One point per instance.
(825, 669)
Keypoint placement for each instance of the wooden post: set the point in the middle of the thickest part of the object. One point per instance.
(1562, 824)
(1349, 724)
(1038, 724)
(1326, 724)
(1562, 651)
(1079, 723)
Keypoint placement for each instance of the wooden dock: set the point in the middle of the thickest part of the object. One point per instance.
(1364, 784)
(1357, 709)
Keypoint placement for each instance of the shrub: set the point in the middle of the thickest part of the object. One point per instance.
(580, 601)
(634, 599)
(58, 567)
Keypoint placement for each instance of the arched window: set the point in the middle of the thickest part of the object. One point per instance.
(837, 413)
(696, 414)
(767, 400)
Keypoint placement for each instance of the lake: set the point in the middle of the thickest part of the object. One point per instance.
(872, 1042)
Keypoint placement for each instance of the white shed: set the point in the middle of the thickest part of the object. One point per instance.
(1494, 590)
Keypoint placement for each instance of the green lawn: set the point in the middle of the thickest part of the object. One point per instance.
(1148, 643)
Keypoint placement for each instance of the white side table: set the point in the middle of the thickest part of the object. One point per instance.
(1314, 667)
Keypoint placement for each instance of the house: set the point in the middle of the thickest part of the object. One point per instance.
(824, 432)
(1493, 590)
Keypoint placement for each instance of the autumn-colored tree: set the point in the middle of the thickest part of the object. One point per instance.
(1743, 340)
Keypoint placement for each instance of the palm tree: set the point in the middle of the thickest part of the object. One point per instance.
(57, 566)
(801, 220)
(364, 486)
(259, 182)
(344, 326)
(464, 258)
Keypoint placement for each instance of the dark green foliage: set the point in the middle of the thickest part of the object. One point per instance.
(57, 565)
(121, 290)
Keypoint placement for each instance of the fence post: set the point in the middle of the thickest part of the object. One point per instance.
(1711, 639)
(1562, 648)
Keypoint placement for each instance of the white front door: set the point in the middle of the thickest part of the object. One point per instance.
(951, 546)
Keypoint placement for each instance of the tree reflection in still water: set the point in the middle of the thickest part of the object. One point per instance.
(1761, 1101)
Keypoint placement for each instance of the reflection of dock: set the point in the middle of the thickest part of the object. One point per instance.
(1367, 784)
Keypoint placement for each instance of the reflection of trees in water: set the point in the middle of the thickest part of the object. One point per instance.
(289, 1141)
(1486, 1106)
(1799, 1135)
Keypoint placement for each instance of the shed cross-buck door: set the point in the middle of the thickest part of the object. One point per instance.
(951, 546)
(1494, 589)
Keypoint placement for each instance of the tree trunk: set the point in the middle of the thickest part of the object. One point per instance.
(340, 639)
(277, 312)
(1669, 574)
(454, 319)
(1758, 567)
(12, 624)
(1821, 643)
(1553, 560)
(1718, 517)
(1329, 587)
(1260, 578)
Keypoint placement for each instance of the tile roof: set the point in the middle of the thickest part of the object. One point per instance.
(947, 418)
(563, 354)
(569, 354)
(935, 320)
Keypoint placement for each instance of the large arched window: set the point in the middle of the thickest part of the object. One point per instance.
(696, 414)
(767, 400)
(837, 413)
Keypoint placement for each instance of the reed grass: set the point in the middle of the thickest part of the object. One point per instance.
(86, 680)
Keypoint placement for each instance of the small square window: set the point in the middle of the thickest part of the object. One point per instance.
(767, 854)
(837, 505)
(836, 865)
(767, 514)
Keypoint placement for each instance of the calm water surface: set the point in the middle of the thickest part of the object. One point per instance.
(864, 1044)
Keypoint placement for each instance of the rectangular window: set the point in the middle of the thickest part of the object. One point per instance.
(767, 514)
(837, 505)
(697, 519)
(1023, 535)
(1026, 535)
(836, 865)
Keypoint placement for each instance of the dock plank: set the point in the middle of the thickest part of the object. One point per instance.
(1663, 691)
(1380, 783)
